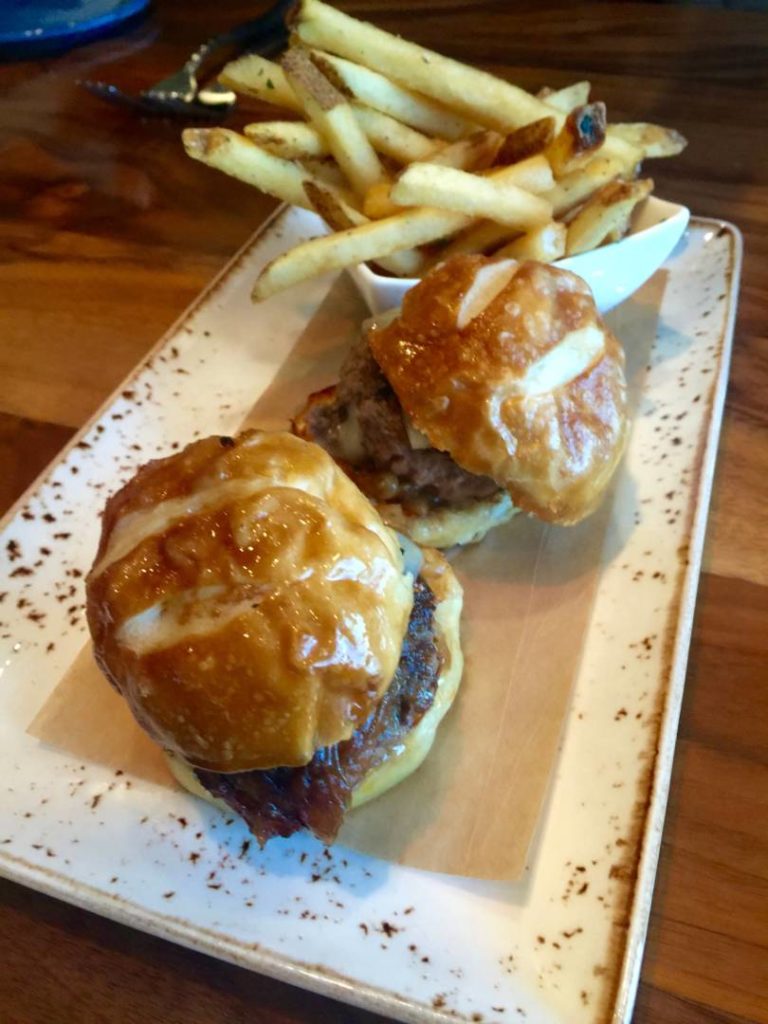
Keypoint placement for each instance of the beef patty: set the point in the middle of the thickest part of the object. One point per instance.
(281, 801)
(380, 457)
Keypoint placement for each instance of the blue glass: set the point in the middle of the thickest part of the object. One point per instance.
(42, 28)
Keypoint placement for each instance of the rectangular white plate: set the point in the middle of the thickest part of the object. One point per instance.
(565, 944)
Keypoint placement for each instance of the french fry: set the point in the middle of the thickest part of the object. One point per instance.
(393, 139)
(263, 79)
(527, 141)
(291, 140)
(620, 229)
(327, 172)
(651, 139)
(482, 236)
(582, 133)
(334, 118)
(604, 213)
(619, 149)
(533, 175)
(450, 189)
(340, 216)
(335, 212)
(297, 140)
(474, 94)
(545, 244)
(567, 99)
(487, 166)
(577, 187)
(377, 91)
(367, 243)
(474, 153)
(378, 202)
(243, 159)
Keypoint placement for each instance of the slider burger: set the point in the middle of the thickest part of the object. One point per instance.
(267, 630)
(497, 387)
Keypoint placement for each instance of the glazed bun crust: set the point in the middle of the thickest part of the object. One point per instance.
(510, 369)
(247, 601)
(409, 753)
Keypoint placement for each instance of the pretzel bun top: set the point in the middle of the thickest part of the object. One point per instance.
(247, 601)
(510, 369)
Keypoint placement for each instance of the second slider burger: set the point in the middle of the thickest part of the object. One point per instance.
(267, 631)
(497, 387)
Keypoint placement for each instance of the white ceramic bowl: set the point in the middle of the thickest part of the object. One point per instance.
(613, 272)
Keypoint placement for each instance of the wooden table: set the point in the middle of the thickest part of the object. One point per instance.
(107, 234)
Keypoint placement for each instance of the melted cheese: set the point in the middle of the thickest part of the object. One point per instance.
(417, 440)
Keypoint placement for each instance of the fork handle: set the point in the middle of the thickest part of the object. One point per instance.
(268, 28)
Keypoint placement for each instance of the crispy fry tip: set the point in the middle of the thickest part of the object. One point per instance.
(256, 291)
(194, 141)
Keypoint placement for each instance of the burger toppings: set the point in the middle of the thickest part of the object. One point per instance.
(281, 801)
(263, 624)
(360, 422)
(516, 375)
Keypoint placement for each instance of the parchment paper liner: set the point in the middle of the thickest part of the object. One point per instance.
(472, 809)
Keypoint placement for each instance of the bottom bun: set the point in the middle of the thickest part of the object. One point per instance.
(185, 776)
(444, 527)
(409, 754)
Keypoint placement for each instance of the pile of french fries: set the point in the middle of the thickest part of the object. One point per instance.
(411, 157)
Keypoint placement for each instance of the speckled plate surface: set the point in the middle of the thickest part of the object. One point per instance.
(563, 945)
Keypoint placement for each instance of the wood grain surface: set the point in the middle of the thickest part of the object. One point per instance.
(107, 234)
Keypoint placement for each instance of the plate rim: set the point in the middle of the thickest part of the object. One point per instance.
(666, 740)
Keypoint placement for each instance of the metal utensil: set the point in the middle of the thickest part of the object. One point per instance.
(180, 94)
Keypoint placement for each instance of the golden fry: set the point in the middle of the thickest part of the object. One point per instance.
(605, 212)
(263, 79)
(475, 153)
(340, 216)
(378, 202)
(629, 156)
(474, 94)
(242, 159)
(582, 134)
(450, 189)
(292, 140)
(575, 188)
(377, 91)
(487, 167)
(363, 244)
(334, 118)
(545, 244)
(481, 236)
(527, 141)
(393, 139)
(533, 175)
(327, 172)
(567, 99)
(651, 139)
